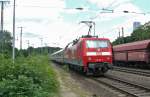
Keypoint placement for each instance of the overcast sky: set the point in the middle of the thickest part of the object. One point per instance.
(57, 21)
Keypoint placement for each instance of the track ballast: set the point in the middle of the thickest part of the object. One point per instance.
(132, 71)
(130, 89)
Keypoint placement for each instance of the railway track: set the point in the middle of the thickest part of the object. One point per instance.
(133, 71)
(130, 89)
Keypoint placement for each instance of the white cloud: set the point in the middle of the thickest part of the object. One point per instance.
(34, 16)
(109, 3)
(127, 6)
(43, 18)
(101, 3)
(62, 32)
(42, 3)
(127, 25)
(127, 18)
(118, 12)
(35, 10)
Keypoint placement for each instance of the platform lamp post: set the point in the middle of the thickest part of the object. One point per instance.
(13, 50)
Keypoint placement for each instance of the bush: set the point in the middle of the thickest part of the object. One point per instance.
(28, 77)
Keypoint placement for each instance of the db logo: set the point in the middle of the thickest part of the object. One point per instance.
(98, 50)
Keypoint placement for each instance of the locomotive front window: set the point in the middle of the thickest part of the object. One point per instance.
(96, 44)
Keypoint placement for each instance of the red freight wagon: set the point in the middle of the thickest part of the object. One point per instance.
(135, 52)
(120, 56)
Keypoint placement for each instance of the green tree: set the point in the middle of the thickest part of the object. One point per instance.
(5, 43)
(141, 33)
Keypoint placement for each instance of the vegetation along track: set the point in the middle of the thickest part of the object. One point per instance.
(130, 89)
(133, 71)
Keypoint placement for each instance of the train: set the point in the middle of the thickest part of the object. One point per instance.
(134, 54)
(89, 54)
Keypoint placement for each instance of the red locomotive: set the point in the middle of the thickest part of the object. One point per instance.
(89, 54)
(135, 53)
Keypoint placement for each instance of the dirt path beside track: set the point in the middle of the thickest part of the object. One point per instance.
(68, 86)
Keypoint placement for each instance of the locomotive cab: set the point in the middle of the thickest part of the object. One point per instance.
(97, 55)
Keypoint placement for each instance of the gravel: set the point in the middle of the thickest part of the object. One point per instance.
(76, 85)
(138, 79)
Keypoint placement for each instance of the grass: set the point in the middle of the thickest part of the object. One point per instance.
(28, 77)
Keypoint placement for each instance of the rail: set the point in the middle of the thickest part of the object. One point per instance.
(126, 87)
(133, 71)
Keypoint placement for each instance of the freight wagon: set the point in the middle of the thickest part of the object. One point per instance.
(135, 53)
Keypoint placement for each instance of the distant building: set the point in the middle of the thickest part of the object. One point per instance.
(136, 25)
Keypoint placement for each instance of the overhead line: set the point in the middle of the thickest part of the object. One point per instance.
(80, 8)
(43, 6)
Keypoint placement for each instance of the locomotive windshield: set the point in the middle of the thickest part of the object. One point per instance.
(96, 43)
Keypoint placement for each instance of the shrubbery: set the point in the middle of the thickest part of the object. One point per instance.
(28, 77)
